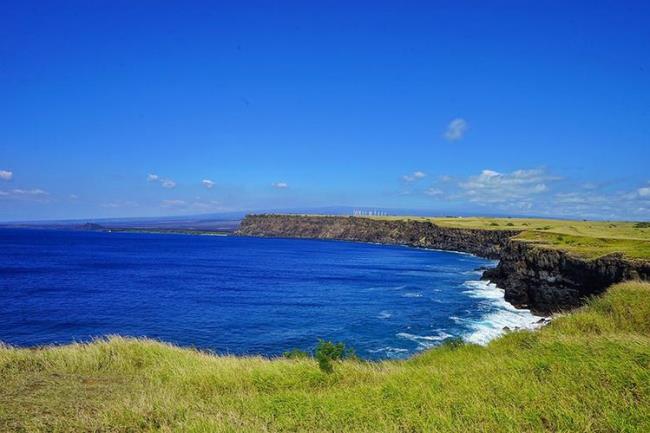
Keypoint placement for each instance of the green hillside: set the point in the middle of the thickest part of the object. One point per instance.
(584, 238)
(588, 371)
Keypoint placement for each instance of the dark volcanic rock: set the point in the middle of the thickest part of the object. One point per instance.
(485, 243)
(544, 280)
(548, 280)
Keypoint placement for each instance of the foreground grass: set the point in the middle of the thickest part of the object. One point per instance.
(588, 239)
(588, 371)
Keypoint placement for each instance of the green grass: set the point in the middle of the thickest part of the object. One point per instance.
(588, 371)
(588, 239)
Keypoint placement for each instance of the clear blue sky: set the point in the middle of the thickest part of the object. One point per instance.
(123, 108)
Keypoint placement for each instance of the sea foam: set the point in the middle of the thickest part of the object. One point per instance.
(501, 317)
(425, 341)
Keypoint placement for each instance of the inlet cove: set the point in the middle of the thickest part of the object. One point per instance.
(245, 295)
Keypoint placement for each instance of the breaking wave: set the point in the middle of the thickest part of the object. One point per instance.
(502, 315)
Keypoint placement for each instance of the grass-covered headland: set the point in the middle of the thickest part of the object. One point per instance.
(588, 371)
(588, 239)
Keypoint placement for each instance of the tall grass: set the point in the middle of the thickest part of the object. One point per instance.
(588, 371)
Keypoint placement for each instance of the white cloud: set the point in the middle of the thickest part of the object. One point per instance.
(118, 204)
(173, 203)
(34, 194)
(433, 192)
(168, 183)
(31, 192)
(644, 192)
(280, 185)
(456, 129)
(538, 192)
(73, 196)
(165, 183)
(6, 175)
(416, 175)
(209, 184)
(493, 187)
(490, 173)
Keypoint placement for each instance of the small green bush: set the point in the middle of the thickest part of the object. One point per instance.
(327, 351)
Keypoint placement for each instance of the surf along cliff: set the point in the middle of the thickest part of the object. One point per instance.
(533, 276)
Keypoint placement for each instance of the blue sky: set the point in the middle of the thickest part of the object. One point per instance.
(127, 108)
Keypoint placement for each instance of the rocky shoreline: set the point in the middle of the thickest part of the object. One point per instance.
(543, 280)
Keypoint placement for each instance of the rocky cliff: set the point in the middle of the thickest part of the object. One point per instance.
(423, 234)
(548, 280)
(544, 280)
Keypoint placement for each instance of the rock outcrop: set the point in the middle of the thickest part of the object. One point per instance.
(542, 279)
(547, 280)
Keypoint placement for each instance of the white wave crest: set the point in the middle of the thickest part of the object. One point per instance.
(424, 341)
(503, 317)
(384, 315)
(391, 352)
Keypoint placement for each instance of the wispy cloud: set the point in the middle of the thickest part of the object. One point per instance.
(644, 191)
(165, 183)
(119, 204)
(433, 192)
(6, 175)
(195, 205)
(168, 183)
(209, 184)
(30, 192)
(18, 193)
(456, 129)
(416, 175)
(173, 203)
(494, 187)
(537, 191)
(280, 185)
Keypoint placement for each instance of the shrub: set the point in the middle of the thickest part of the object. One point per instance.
(642, 225)
(327, 351)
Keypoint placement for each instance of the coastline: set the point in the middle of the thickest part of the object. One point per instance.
(590, 363)
(543, 280)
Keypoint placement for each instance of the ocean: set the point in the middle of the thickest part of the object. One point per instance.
(243, 295)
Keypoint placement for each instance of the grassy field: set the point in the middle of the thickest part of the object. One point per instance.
(585, 238)
(588, 371)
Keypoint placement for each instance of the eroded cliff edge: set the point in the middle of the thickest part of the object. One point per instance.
(544, 280)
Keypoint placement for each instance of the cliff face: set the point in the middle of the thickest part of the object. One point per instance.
(543, 280)
(547, 280)
(483, 243)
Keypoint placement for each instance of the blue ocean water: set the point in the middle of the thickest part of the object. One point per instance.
(243, 295)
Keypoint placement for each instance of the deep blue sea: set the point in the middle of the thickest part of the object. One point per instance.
(243, 295)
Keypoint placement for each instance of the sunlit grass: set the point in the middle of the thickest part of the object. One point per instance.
(589, 239)
(588, 371)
